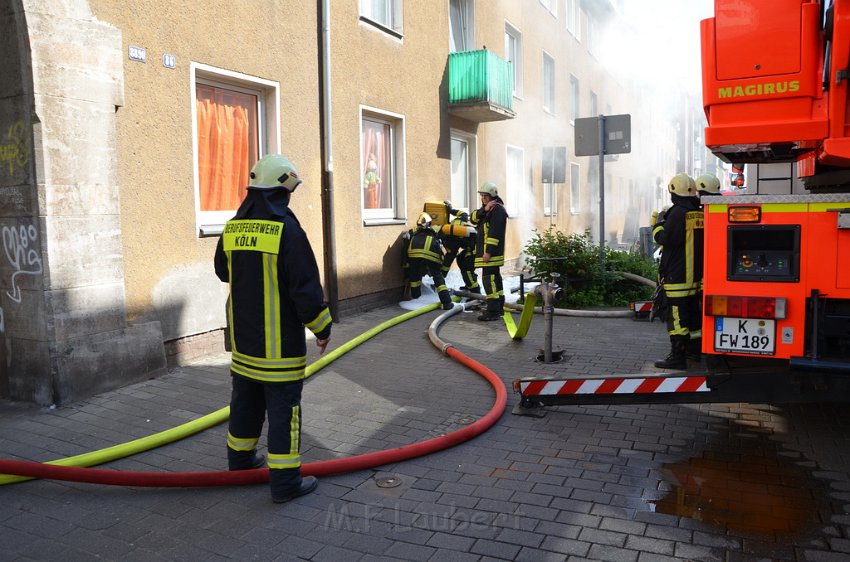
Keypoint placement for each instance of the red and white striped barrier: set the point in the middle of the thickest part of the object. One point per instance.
(641, 306)
(620, 385)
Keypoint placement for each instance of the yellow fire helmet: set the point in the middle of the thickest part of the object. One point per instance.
(682, 185)
(489, 188)
(273, 171)
(708, 184)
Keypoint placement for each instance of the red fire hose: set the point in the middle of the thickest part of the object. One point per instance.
(259, 475)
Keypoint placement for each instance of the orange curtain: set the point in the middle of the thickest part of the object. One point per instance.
(227, 145)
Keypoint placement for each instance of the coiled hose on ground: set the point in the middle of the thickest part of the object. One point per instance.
(75, 468)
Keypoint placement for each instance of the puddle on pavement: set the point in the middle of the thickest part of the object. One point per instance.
(756, 490)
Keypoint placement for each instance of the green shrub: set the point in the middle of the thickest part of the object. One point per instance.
(587, 282)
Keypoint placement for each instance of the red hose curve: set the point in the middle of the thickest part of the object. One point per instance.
(260, 475)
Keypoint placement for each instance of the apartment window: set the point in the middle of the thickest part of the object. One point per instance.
(461, 29)
(382, 165)
(385, 13)
(574, 100)
(235, 123)
(551, 5)
(575, 189)
(592, 36)
(463, 170)
(548, 83)
(594, 104)
(514, 179)
(513, 53)
(574, 18)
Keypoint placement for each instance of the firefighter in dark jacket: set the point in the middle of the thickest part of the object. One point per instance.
(680, 232)
(492, 221)
(275, 292)
(424, 256)
(459, 239)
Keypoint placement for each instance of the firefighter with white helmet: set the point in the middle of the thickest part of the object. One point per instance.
(680, 233)
(423, 256)
(275, 292)
(707, 184)
(491, 220)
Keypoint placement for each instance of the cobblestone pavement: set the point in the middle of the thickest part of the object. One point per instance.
(626, 482)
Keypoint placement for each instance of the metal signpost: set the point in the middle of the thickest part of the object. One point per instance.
(598, 136)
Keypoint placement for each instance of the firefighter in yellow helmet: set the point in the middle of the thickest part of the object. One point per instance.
(707, 184)
(275, 292)
(424, 256)
(680, 233)
(491, 221)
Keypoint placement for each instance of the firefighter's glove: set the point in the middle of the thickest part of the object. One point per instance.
(449, 207)
(405, 235)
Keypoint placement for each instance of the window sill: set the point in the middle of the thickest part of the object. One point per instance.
(383, 222)
(382, 27)
(210, 230)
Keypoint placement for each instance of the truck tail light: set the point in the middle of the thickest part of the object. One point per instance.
(744, 214)
(745, 307)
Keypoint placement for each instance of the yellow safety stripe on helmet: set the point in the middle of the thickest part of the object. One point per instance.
(284, 461)
(252, 235)
(320, 322)
(242, 443)
(281, 369)
(295, 430)
(271, 306)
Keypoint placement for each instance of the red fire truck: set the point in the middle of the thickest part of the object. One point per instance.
(777, 259)
(776, 308)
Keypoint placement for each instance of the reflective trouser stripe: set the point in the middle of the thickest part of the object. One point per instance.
(676, 329)
(291, 459)
(242, 443)
(284, 461)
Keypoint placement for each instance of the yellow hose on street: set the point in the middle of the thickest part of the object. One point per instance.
(129, 448)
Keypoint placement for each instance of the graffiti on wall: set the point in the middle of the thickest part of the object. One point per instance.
(14, 152)
(19, 244)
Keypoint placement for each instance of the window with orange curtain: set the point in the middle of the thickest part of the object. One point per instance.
(228, 145)
(377, 179)
(382, 181)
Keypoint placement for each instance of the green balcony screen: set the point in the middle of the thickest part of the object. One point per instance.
(477, 76)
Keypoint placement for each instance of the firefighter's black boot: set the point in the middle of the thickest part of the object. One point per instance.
(446, 300)
(695, 350)
(492, 313)
(676, 359)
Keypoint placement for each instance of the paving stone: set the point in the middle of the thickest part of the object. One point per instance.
(576, 484)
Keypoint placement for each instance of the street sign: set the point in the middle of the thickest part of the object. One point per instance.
(618, 135)
(554, 164)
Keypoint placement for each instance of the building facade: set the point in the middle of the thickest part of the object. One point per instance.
(127, 131)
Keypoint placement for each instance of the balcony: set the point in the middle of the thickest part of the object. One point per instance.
(480, 86)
